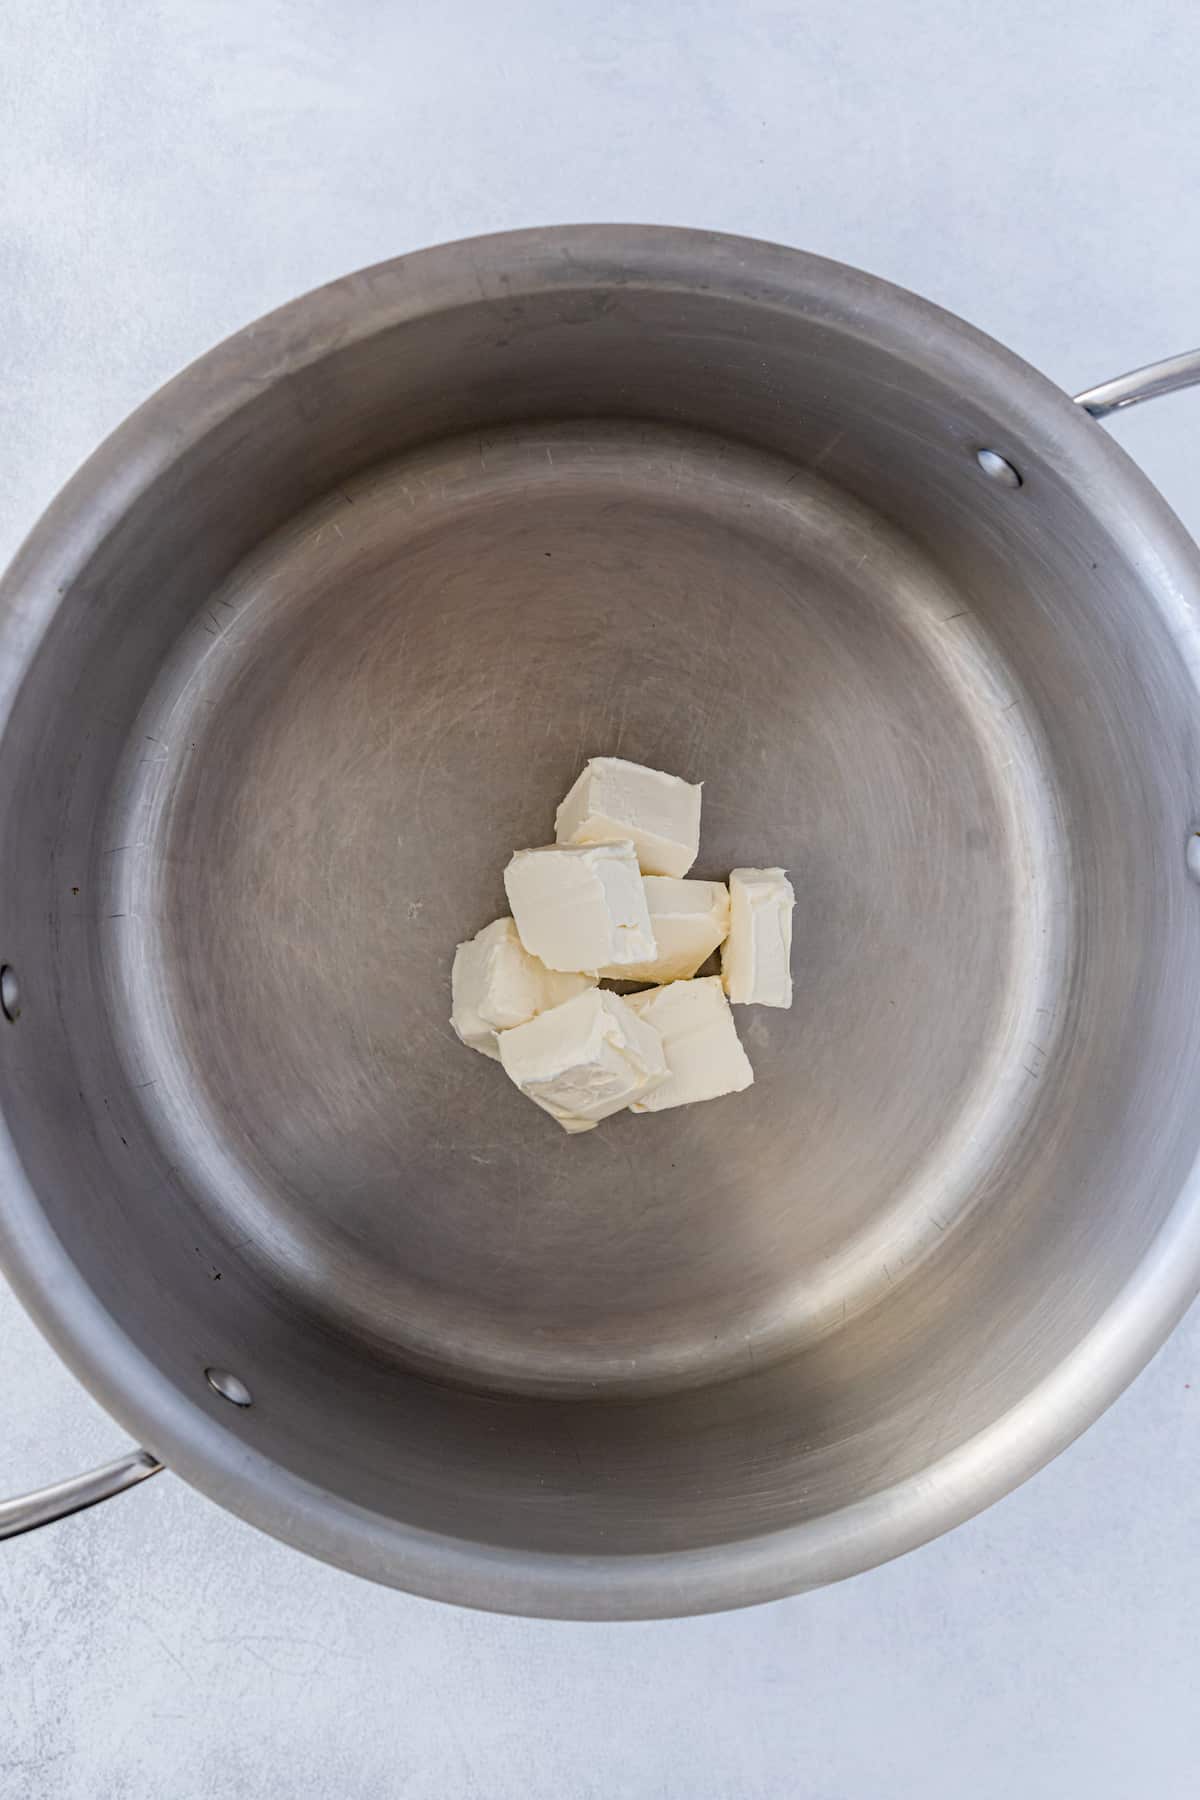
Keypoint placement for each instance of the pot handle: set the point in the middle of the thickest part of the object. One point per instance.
(1157, 378)
(44, 1505)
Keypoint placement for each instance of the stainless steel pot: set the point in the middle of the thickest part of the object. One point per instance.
(318, 637)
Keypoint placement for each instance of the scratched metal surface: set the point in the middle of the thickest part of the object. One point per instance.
(326, 784)
(1013, 1635)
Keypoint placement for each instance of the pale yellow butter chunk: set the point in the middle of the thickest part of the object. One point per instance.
(700, 1041)
(659, 814)
(495, 984)
(756, 958)
(580, 908)
(689, 919)
(584, 1060)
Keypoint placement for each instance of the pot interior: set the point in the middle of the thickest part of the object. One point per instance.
(426, 542)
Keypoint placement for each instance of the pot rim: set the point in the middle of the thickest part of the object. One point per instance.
(214, 1456)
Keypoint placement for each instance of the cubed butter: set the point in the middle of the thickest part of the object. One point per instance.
(700, 1041)
(586, 1059)
(614, 799)
(495, 984)
(689, 919)
(581, 908)
(756, 958)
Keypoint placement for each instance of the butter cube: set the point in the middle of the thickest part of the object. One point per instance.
(703, 1051)
(756, 959)
(689, 919)
(584, 1060)
(495, 984)
(614, 799)
(580, 908)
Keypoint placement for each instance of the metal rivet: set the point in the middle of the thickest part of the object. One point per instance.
(230, 1387)
(10, 994)
(998, 468)
(1193, 855)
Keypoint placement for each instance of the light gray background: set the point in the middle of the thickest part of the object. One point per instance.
(169, 171)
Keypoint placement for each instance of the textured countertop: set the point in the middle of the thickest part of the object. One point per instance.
(169, 171)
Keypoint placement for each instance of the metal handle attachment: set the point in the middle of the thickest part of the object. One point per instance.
(44, 1505)
(1142, 384)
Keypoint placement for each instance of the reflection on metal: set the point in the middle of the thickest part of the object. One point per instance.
(1158, 378)
(42, 1507)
